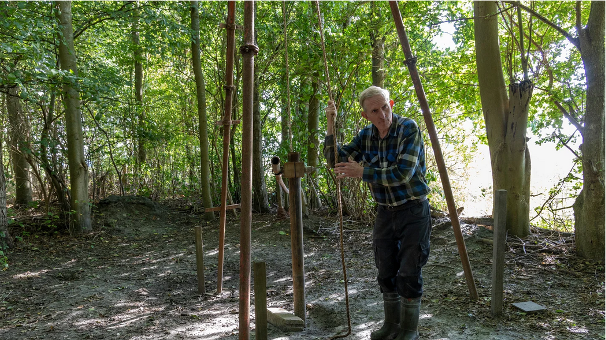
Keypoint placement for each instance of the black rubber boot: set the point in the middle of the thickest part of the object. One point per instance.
(391, 328)
(409, 318)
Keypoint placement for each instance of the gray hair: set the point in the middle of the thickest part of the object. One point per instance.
(371, 92)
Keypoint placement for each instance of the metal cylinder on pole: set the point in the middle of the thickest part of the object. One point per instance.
(296, 234)
(229, 90)
(435, 143)
(248, 50)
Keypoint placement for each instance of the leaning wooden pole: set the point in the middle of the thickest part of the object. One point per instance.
(248, 50)
(435, 143)
(229, 90)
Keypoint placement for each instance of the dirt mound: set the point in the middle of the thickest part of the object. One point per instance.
(130, 214)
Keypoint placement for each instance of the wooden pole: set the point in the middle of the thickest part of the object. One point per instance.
(296, 239)
(200, 260)
(435, 143)
(248, 50)
(260, 301)
(229, 90)
(498, 251)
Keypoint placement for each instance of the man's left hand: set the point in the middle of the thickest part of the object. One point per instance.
(349, 169)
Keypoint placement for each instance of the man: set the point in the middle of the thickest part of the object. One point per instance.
(389, 154)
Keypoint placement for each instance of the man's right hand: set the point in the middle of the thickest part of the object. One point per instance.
(331, 114)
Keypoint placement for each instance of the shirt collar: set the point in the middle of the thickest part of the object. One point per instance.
(392, 128)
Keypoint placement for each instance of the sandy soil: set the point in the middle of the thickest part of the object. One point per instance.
(134, 278)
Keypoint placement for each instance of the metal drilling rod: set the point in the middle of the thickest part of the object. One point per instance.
(229, 90)
(248, 50)
(435, 143)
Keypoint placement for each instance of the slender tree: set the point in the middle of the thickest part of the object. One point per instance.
(78, 168)
(260, 201)
(378, 46)
(19, 131)
(506, 119)
(202, 117)
(137, 57)
(5, 238)
(313, 127)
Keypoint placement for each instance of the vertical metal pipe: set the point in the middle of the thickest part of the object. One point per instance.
(260, 301)
(435, 143)
(248, 50)
(296, 241)
(200, 260)
(229, 90)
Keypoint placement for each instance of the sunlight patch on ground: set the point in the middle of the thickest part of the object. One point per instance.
(284, 279)
(30, 274)
(578, 330)
(129, 304)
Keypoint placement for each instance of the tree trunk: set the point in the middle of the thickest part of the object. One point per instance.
(313, 127)
(137, 57)
(378, 50)
(19, 130)
(506, 120)
(202, 118)
(260, 201)
(589, 205)
(5, 239)
(78, 169)
(236, 168)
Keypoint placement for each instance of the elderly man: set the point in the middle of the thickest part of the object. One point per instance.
(389, 155)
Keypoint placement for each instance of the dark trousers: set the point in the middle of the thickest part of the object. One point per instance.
(401, 247)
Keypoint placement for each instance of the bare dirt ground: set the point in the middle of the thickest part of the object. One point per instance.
(134, 277)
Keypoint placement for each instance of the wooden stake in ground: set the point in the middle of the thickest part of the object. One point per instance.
(498, 254)
(294, 170)
(260, 301)
(200, 260)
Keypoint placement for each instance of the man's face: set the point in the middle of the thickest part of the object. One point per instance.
(378, 111)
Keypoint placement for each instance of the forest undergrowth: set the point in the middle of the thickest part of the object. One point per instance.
(134, 277)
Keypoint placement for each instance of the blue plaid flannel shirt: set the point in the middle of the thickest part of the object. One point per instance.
(394, 166)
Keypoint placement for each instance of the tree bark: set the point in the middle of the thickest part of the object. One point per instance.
(378, 50)
(137, 57)
(506, 120)
(313, 126)
(19, 130)
(202, 117)
(260, 200)
(78, 169)
(589, 205)
(5, 239)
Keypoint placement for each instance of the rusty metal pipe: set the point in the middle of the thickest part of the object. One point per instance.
(435, 143)
(248, 50)
(229, 90)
